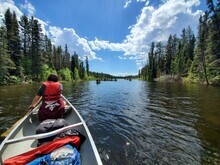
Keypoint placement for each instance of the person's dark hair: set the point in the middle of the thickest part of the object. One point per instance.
(52, 77)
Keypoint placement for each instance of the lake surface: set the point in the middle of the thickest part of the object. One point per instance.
(137, 122)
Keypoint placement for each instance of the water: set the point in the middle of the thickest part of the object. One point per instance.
(136, 122)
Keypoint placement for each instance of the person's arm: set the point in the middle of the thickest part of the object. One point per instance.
(34, 102)
(37, 98)
(61, 88)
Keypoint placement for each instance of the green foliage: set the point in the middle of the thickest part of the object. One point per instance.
(99, 75)
(198, 59)
(65, 74)
(216, 80)
(6, 64)
(13, 40)
(76, 74)
(27, 65)
(14, 80)
(28, 54)
(86, 77)
(45, 71)
(174, 67)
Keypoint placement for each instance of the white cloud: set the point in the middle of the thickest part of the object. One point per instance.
(153, 25)
(122, 58)
(127, 3)
(124, 74)
(75, 43)
(102, 44)
(28, 7)
(58, 36)
(4, 5)
(43, 26)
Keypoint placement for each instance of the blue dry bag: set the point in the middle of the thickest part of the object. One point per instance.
(65, 155)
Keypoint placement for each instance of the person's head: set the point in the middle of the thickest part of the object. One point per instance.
(52, 77)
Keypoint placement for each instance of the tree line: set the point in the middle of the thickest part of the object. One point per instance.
(196, 58)
(27, 54)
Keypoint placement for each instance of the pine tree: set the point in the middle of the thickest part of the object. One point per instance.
(54, 56)
(81, 70)
(45, 51)
(180, 59)
(76, 60)
(168, 54)
(87, 65)
(35, 47)
(25, 34)
(59, 58)
(16, 56)
(13, 41)
(190, 45)
(26, 45)
(214, 29)
(76, 74)
(202, 35)
(152, 69)
(159, 55)
(6, 63)
(48, 52)
(66, 58)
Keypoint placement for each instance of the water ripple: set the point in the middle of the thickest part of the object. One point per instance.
(135, 122)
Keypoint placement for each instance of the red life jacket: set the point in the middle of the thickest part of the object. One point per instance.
(52, 91)
(42, 150)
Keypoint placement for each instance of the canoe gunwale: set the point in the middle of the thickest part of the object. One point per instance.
(98, 159)
(9, 138)
(14, 129)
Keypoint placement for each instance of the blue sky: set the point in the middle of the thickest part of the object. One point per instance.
(114, 34)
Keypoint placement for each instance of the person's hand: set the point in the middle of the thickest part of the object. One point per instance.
(30, 108)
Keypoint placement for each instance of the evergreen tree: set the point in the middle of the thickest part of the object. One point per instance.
(25, 34)
(59, 58)
(76, 74)
(35, 47)
(66, 58)
(55, 59)
(214, 14)
(174, 43)
(29, 52)
(180, 59)
(76, 60)
(86, 77)
(49, 52)
(159, 55)
(202, 35)
(190, 45)
(81, 70)
(214, 30)
(6, 63)
(13, 41)
(25, 45)
(168, 54)
(16, 55)
(87, 65)
(46, 49)
(152, 69)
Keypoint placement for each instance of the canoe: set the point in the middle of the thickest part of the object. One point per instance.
(23, 138)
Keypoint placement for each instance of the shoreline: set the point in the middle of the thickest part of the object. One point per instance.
(177, 79)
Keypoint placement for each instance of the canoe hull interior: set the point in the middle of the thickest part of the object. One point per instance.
(88, 151)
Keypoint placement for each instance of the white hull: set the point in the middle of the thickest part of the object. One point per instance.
(22, 138)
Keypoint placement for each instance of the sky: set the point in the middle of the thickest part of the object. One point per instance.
(115, 34)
